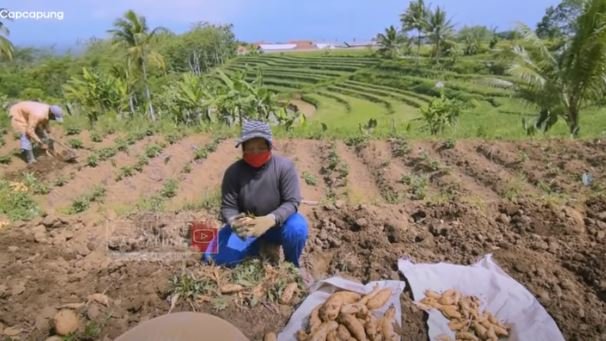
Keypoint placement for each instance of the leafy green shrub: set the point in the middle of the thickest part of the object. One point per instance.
(5, 159)
(173, 138)
(60, 181)
(107, 153)
(440, 113)
(92, 160)
(142, 162)
(153, 150)
(72, 131)
(82, 203)
(79, 205)
(418, 186)
(36, 186)
(125, 172)
(170, 188)
(200, 153)
(96, 137)
(309, 178)
(121, 145)
(75, 143)
(449, 144)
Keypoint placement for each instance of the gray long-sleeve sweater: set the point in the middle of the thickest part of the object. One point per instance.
(273, 188)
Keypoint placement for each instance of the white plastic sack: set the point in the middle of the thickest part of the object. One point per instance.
(320, 292)
(505, 298)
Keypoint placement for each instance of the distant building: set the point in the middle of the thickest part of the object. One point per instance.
(360, 44)
(325, 46)
(277, 47)
(295, 45)
(303, 44)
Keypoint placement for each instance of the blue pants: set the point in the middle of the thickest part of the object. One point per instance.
(232, 250)
(26, 144)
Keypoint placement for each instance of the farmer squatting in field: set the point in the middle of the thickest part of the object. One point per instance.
(260, 200)
(30, 119)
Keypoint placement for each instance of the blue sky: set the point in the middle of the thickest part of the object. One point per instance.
(256, 20)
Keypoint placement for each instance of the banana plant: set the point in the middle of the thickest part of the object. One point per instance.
(96, 93)
(6, 47)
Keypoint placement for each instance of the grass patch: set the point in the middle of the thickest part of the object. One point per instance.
(211, 201)
(417, 184)
(106, 153)
(6, 159)
(169, 189)
(60, 181)
(309, 179)
(96, 137)
(82, 203)
(260, 282)
(16, 201)
(92, 160)
(125, 172)
(186, 169)
(72, 131)
(35, 185)
(153, 150)
(75, 143)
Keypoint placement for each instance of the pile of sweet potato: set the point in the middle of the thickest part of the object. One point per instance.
(464, 314)
(347, 315)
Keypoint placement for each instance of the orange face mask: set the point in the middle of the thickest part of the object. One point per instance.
(258, 159)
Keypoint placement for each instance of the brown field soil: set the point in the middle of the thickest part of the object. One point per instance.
(521, 201)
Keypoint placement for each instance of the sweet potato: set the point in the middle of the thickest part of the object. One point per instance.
(491, 335)
(231, 289)
(354, 326)
(343, 333)
(354, 309)
(322, 332)
(480, 329)
(371, 326)
(368, 296)
(302, 336)
(428, 303)
(271, 336)
(457, 325)
(330, 309)
(314, 318)
(466, 336)
(386, 326)
(500, 331)
(432, 294)
(379, 299)
(288, 293)
(447, 298)
(457, 297)
(451, 312)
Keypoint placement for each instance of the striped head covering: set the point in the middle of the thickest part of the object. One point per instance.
(252, 129)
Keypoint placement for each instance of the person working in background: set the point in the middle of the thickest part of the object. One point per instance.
(30, 119)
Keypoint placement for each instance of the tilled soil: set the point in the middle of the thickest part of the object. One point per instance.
(550, 239)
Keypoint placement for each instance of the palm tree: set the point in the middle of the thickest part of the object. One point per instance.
(415, 18)
(562, 82)
(6, 48)
(388, 42)
(439, 28)
(131, 31)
